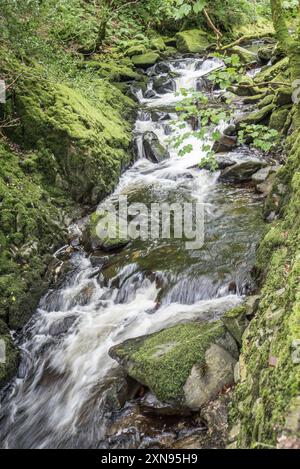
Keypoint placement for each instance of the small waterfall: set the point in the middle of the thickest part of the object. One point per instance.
(64, 392)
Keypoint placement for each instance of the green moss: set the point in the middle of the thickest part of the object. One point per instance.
(145, 60)
(279, 118)
(89, 140)
(193, 41)
(163, 360)
(263, 402)
(271, 73)
(257, 116)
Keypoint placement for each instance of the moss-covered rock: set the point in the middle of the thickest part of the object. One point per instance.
(246, 56)
(90, 141)
(270, 73)
(193, 41)
(278, 118)
(145, 60)
(256, 117)
(187, 364)
(98, 235)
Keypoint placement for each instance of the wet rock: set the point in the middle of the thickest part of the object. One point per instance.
(61, 326)
(279, 118)
(149, 404)
(9, 355)
(236, 323)
(160, 116)
(261, 175)
(84, 296)
(225, 143)
(98, 261)
(161, 67)
(242, 171)
(154, 150)
(96, 237)
(223, 161)
(164, 85)
(266, 186)
(149, 94)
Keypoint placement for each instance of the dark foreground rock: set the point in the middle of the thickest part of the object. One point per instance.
(154, 150)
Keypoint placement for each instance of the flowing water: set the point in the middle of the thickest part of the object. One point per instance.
(64, 393)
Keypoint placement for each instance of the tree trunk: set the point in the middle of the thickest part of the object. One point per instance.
(280, 26)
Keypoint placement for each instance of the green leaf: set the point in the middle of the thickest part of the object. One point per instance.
(199, 6)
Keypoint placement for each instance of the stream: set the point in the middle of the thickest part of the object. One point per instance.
(67, 388)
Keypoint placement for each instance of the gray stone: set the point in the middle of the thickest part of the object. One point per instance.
(242, 171)
(202, 387)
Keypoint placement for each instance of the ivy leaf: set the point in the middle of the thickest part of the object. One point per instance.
(199, 6)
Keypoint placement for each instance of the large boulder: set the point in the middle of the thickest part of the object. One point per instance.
(269, 73)
(279, 118)
(185, 365)
(154, 150)
(192, 41)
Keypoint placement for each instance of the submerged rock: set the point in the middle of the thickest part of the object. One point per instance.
(186, 365)
(154, 150)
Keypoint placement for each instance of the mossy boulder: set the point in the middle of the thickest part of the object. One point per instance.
(242, 170)
(187, 364)
(9, 355)
(256, 117)
(192, 41)
(270, 73)
(246, 56)
(137, 49)
(279, 117)
(145, 60)
(157, 43)
(103, 232)
(89, 140)
(283, 96)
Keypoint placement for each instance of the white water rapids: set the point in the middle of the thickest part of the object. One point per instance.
(59, 398)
